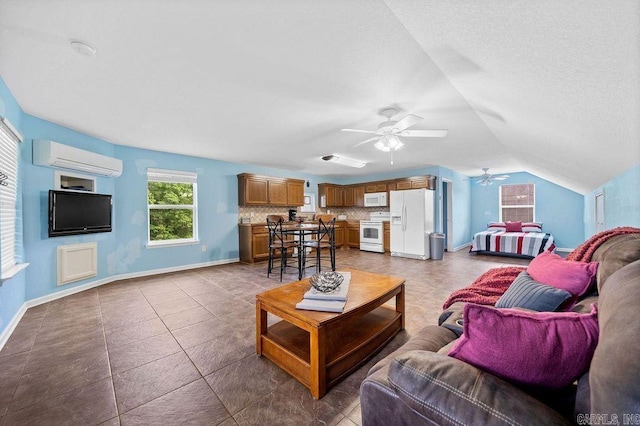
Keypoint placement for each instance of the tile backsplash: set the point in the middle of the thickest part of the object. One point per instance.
(257, 214)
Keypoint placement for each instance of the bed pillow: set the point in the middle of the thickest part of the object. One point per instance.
(532, 227)
(525, 292)
(513, 226)
(499, 226)
(572, 276)
(541, 349)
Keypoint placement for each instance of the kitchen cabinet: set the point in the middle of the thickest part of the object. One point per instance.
(339, 233)
(354, 196)
(254, 242)
(295, 192)
(386, 237)
(254, 190)
(375, 187)
(416, 182)
(353, 234)
(333, 195)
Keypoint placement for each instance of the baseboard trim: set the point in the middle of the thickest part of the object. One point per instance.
(4, 336)
(464, 246)
(12, 325)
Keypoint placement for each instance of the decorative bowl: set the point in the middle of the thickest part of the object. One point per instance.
(326, 282)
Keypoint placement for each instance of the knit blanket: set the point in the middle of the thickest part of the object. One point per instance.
(584, 251)
(487, 288)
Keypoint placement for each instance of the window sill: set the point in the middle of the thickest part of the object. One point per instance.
(161, 244)
(12, 272)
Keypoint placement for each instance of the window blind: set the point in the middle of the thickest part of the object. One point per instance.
(175, 176)
(9, 139)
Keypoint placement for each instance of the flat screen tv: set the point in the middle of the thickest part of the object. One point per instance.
(73, 213)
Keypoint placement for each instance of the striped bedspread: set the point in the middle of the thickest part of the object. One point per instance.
(520, 243)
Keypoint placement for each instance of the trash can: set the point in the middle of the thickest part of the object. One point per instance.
(436, 246)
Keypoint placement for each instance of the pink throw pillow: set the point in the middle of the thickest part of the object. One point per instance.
(544, 349)
(514, 226)
(572, 276)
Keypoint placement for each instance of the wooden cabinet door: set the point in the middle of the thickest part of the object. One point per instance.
(334, 196)
(349, 196)
(403, 184)
(358, 196)
(295, 193)
(353, 236)
(339, 236)
(277, 192)
(256, 191)
(260, 245)
(387, 237)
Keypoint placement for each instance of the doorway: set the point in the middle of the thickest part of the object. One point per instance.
(447, 213)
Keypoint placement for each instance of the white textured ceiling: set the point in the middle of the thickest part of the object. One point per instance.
(549, 87)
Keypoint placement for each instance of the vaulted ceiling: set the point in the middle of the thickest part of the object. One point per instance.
(548, 87)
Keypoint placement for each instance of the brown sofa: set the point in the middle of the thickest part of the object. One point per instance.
(420, 384)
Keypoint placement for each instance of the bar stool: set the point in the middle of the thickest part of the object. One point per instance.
(278, 243)
(325, 240)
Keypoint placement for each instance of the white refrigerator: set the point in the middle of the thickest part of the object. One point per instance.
(412, 220)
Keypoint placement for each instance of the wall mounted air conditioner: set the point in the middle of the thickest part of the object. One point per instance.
(54, 154)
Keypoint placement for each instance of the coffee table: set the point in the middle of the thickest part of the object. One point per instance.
(321, 348)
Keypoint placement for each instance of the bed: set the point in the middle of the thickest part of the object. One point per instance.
(515, 239)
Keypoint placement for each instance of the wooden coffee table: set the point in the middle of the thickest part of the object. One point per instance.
(321, 348)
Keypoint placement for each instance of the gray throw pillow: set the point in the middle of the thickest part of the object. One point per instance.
(525, 292)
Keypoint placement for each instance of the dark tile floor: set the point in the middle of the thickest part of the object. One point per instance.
(180, 349)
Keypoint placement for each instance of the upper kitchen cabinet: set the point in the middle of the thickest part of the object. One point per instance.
(416, 182)
(295, 192)
(330, 195)
(375, 187)
(354, 196)
(254, 190)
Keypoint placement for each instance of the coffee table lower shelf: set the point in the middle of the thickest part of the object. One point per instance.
(348, 345)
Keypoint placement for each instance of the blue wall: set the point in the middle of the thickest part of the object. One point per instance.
(559, 209)
(12, 292)
(621, 202)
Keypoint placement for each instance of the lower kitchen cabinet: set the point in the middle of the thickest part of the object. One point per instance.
(387, 237)
(353, 234)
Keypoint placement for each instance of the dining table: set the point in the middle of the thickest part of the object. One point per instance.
(301, 231)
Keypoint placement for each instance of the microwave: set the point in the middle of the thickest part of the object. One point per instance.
(375, 199)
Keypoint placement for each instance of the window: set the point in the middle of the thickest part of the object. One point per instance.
(517, 203)
(172, 207)
(9, 139)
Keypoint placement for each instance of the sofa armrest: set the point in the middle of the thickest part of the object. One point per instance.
(444, 390)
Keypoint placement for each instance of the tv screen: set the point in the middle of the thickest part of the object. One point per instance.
(73, 213)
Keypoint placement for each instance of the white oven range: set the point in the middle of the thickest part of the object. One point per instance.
(372, 232)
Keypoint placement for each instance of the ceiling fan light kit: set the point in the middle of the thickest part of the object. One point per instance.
(388, 134)
(344, 161)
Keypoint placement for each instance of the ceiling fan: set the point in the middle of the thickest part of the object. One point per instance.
(389, 132)
(487, 179)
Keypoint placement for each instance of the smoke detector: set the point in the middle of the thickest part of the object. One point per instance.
(83, 48)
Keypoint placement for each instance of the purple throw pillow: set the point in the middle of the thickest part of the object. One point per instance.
(513, 226)
(572, 276)
(543, 349)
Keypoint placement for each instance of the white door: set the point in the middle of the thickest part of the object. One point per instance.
(396, 200)
(599, 202)
(414, 218)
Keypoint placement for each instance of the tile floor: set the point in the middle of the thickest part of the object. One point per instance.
(180, 349)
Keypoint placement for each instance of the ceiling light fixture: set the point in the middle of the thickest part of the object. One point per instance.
(83, 48)
(389, 143)
(344, 161)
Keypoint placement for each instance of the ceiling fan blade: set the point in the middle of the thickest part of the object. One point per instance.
(480, 180)
(367, 141)
(503, 177)
(358, 131)
(435, 133)
(405, 123)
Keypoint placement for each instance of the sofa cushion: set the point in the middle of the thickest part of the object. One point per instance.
(525, 292)
(544, 349)
(574, 277)
(615, 253)
(446, 391)
(614, 372)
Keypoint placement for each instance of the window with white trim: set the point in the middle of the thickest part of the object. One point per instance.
(517, 203)
(9, 139)
(172, 206)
